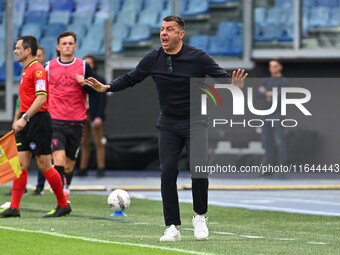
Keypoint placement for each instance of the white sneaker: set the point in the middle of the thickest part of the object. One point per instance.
(171, 234)
(201, 231)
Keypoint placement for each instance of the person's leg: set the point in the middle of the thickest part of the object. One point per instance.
(69, 166)
(58, 145)
(268, 143)
(100, 149)
(73, 134)
(196, 144)
(53, 178)
(170, 147)
(19, 184)
(59, 159)
(85, 148)
(280, 143)
(41, 181)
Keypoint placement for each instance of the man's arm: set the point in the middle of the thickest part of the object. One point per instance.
(211, 68)
(130, 79)
(16, 113)
(39, 101)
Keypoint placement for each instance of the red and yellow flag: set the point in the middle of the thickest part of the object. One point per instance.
(10, 168)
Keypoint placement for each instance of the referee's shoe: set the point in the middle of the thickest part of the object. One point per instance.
(58, 211)
(9, 212)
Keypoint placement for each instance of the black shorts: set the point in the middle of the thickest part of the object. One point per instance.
(67, 136)
(37, 135)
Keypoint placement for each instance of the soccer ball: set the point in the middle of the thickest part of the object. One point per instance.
(119, 200)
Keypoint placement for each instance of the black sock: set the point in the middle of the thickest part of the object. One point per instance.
(60, 170)
(69, 177)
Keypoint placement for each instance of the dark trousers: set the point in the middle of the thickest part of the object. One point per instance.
(174, 135)
(274, 142)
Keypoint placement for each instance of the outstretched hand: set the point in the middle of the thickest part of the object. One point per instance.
(238, 78)
(96, 85)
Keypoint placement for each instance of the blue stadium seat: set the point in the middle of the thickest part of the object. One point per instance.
(229, 29)
(218, 1)
(270, 32)
(132, 5)
(96, 31)
(19, 7)
(62, 5)
(200, 42)
(85, 7)
(139, 32)
(218, 46)
(329, 3)
(156, 5)
(149, 17)
(195, 8)
(320, 17)
(16, 32)
(2, 72)
(17, 69)
(79, 29)
(127, 17)
(162, 15)
(236, 46)
(335, 16)
(60, 17)
(49, 44)
(2, 32)
(288, 33)
(85, 20)
(38, 17)
(105, 6)
(258, 31)
(18, 19)
(2, 4)
(284, 3)
(120, 31)
(31, 29)
(100, 17)
(276, 15)
(91, 45)
(38, 5)
(117, 45)
(54, 29)
(260, 15)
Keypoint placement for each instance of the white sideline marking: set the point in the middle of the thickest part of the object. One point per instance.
(273, 208)
(317, 243)
(256, 237)
(106, 241)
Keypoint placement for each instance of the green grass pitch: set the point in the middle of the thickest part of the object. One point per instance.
(90, 230)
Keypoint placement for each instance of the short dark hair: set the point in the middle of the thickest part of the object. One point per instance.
(277, 60)
(179, 21)
(67, 33)
(29, 41)
(94, 60)
(41, 48)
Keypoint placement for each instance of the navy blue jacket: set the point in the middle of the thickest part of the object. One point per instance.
(173, 89)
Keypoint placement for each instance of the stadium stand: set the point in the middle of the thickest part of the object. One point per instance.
(60, 16)
(62, 5)
(136, 22)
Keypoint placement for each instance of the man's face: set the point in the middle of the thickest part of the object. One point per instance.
(170, 35)
(41, 56)
(66, 46)
(20, 52)
(90, 62)
(275, 67)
